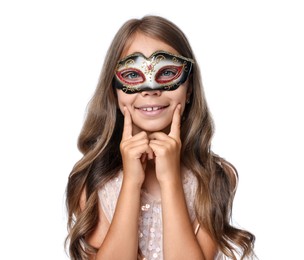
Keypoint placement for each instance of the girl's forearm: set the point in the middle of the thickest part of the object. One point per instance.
(178, 236)
(121, 241)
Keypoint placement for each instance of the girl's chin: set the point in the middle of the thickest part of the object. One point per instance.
(152, 128)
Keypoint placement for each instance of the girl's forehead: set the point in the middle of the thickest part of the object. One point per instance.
(141, 43)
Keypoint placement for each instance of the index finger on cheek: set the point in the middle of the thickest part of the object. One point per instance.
(127, 131)
(176, 122)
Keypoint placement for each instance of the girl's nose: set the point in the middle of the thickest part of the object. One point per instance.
(151, 93)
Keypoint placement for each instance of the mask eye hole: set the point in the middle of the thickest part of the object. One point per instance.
(131, 76)
(168, 74)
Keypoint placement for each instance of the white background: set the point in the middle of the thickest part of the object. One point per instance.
(252, 61)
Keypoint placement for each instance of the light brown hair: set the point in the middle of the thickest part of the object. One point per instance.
(100, 138)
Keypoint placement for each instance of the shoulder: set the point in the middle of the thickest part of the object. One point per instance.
(190, 183)
(112, 185)
(108, 195)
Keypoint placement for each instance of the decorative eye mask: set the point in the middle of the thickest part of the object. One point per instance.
(161, 71)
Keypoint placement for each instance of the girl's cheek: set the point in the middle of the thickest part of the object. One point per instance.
(122, 100)
(183, 105)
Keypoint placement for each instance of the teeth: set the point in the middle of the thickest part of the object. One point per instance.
(150, 108)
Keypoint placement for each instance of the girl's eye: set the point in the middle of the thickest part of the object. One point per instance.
(131, 76)
(167, 74)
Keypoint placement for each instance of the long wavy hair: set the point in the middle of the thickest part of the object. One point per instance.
(99, 143)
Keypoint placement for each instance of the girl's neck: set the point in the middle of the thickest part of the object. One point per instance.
(151, 184)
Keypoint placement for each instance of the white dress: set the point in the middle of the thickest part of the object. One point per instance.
(150, 220)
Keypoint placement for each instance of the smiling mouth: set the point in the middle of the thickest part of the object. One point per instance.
(149, 109)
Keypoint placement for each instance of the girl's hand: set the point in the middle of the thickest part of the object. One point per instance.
(166, 149)
(134, 151)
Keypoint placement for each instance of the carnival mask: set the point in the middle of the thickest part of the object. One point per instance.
(161, 71)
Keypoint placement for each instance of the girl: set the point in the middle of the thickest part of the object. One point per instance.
(148, 185)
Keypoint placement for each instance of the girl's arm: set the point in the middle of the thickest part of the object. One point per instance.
(208, 246)
(117, 240)
(96, 238)
(179, 240)
(121, 240)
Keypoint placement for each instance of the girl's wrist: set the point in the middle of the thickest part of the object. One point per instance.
(170, 183)
(169, 178)
(132, 185)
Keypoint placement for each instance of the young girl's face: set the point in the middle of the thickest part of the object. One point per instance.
(152, 110)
